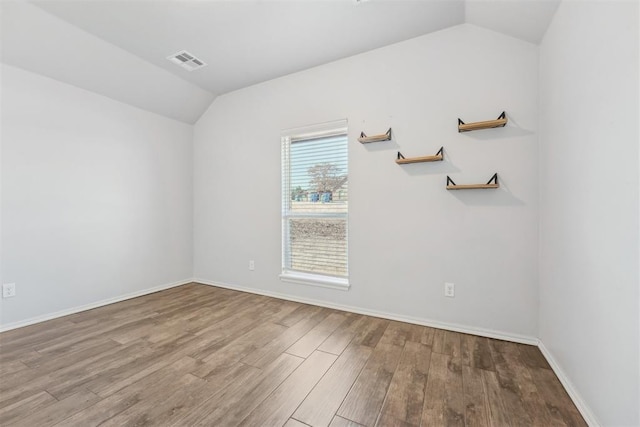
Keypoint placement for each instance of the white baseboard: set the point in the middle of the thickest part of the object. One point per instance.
(586, 413)
(57, 314)
(374, 313)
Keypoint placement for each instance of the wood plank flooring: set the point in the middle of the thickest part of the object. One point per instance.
(197, 355)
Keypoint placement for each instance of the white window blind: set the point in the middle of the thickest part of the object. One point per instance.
(315, 204)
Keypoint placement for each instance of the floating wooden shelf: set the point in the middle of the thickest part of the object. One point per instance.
(453, 186)
(401, 160)
(375, 138)
(501, 121)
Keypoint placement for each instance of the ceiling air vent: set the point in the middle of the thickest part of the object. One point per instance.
(186, 60)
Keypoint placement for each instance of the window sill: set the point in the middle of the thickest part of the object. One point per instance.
(316, 280)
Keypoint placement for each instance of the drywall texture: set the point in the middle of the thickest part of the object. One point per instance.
(407, 234)
(589, 203)
(96, 197)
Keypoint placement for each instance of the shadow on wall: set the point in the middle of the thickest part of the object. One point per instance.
(430, 168)
(381, 146)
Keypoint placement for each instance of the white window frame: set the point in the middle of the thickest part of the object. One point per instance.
(288, 137)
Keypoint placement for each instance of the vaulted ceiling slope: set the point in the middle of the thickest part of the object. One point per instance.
(37, 41)
(119, 48)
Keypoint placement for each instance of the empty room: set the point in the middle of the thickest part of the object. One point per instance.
(320, 213)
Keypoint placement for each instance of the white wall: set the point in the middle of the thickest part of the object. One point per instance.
(407, 235)
(589, 204)
(96, 197)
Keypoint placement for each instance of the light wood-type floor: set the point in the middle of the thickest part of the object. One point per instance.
(200, 355)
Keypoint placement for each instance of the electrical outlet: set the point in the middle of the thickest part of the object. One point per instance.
(252, 265)
(449, 290)
(8, 290)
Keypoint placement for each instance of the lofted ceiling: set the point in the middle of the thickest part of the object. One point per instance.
(119, 48)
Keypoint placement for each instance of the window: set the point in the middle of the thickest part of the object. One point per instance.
(315, 205)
